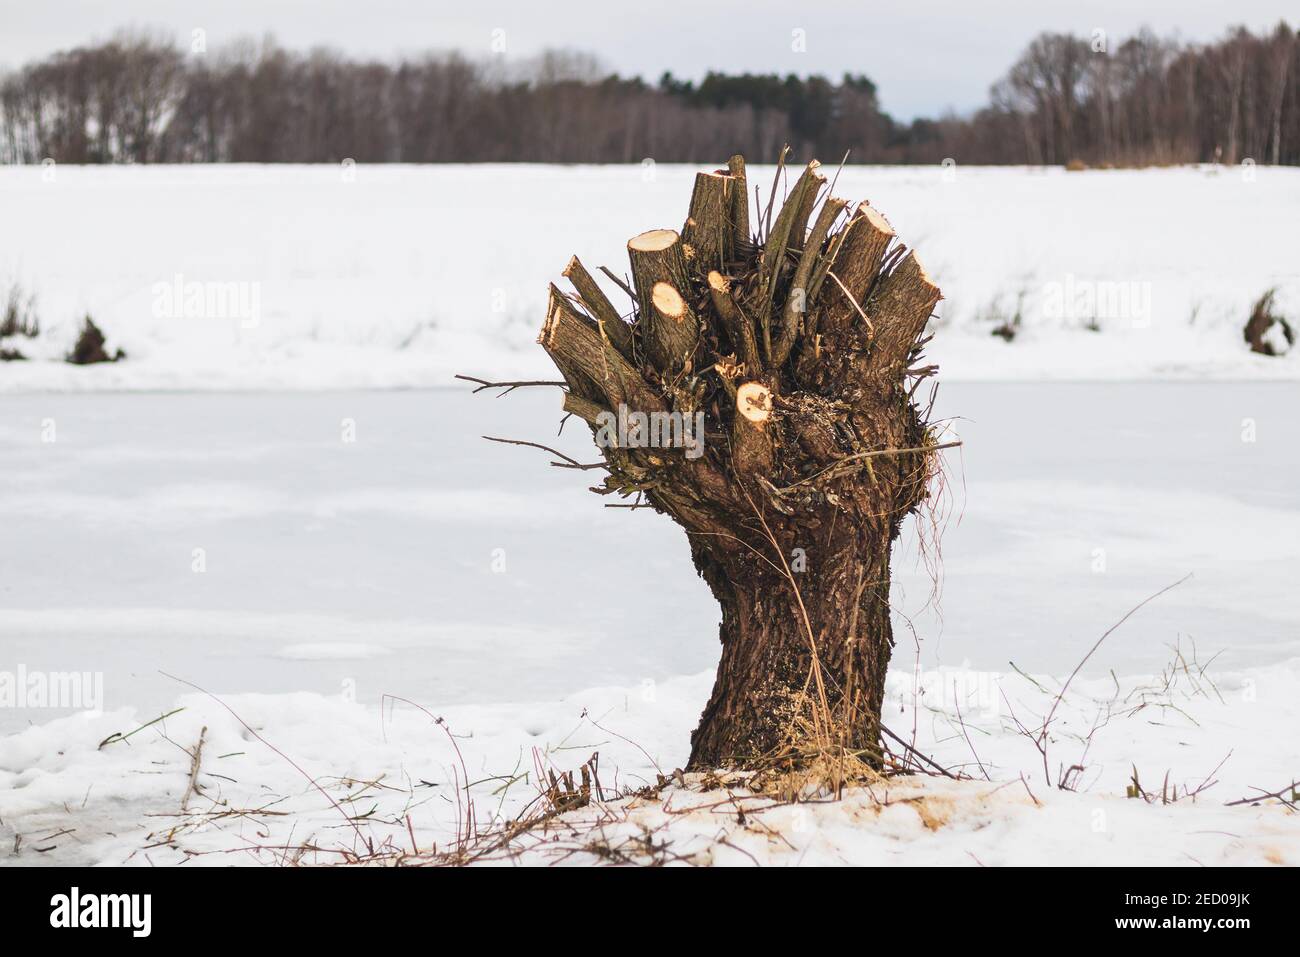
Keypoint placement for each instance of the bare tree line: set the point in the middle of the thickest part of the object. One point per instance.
(1154, 101)
(142, 99)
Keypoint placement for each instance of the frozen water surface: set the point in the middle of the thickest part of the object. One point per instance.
(420, 560)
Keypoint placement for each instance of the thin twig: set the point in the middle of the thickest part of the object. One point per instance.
(508, 386)
(196, 758)
(622, 285)
(1097, 645)
(859, 456)
(117, 736)
(961, 721)
(294, 764)
(928, 760)
(1289, 801)
(870, 326)
(568, 463)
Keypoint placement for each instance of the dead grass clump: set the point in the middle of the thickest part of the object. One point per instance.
(90, 347)
(1259, 332)
(18, 318)
(19, 315)
(1006, 326)
(813, 762)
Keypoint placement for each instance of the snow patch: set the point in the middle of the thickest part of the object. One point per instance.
(1104, 274)
(318, 779)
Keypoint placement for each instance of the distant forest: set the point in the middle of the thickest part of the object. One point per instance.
(1143, 100)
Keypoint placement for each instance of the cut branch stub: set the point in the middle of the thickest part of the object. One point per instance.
(899, 310)
(593, 368)
(787, 231)
(796, 301)
(857, 262)
(708, 233)
(739, 202)
(558, 312)
(751, 446)
(668, 302)
(584, 409)
(618, 332)
(658, 260)
(735, 323)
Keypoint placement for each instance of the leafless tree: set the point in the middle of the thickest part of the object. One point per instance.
(139, 99)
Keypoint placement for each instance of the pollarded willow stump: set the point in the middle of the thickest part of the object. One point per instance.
(792, 343)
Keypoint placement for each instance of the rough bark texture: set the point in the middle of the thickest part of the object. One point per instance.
(795, 343)
(658, 257)
(612, 326)
(709, 233)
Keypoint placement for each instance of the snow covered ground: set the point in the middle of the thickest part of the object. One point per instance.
(236, 509)
(315, 778)
(255, 277)
(420, 562)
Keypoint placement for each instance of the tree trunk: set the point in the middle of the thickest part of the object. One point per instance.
(766, 383)
(766, 697)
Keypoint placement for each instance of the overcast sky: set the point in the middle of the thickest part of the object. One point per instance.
(925, 57)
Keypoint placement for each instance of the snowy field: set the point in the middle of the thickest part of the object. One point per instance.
(401, 276)
(238, 509)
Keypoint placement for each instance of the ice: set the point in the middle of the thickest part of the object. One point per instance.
(1066, 505)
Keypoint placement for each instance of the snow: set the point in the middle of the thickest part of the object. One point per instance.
(315, 277)
(281, 774)
(338, 573)
(275, 510)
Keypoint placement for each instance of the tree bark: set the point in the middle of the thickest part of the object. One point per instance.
(612, 326)
(709, 233)
(659, 260)
(764, 700)
(812, 451)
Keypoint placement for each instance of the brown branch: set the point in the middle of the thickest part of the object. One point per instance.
(858, 260)
(621, 284)
(781, 237)
(1290, 790)
(902, 305)
(1084, 660)
(751, 445)
(708, 231)
(592, 366)
(612, 326)
(796, 303)
(568, 463)
(739, 200)
(858, 456)
(928, 760)
(737, 325)
(508, 386)
(669, 326)
(584, 409)
(196, 757)
(854, 302)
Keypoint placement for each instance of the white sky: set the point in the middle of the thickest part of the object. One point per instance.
(923, 56)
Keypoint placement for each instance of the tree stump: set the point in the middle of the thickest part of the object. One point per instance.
(794, 345)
